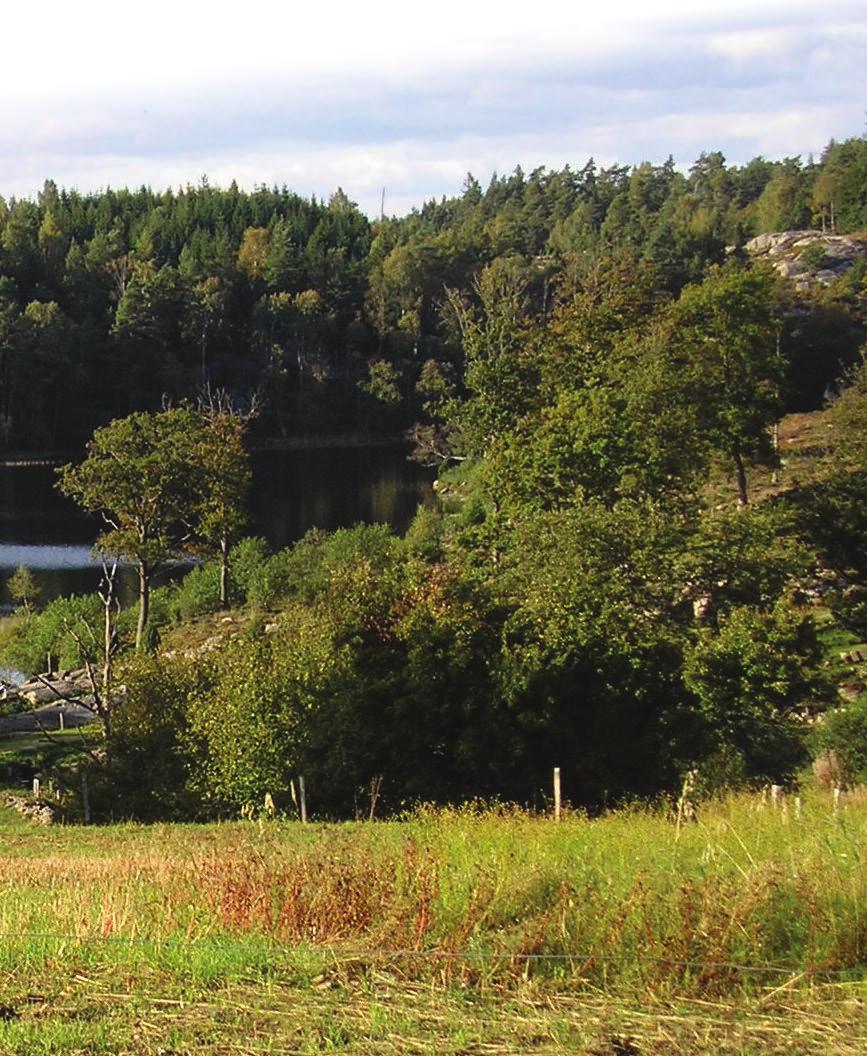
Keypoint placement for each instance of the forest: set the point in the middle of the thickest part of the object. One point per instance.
(124, 300)
(626, 573)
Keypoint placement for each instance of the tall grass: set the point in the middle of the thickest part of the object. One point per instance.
(747, 897)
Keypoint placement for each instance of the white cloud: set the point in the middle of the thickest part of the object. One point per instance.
(755, 45)
(382, 94)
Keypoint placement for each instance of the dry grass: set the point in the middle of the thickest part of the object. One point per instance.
(747, 895)
(455, 932)
(94, 1012)
(805, 441)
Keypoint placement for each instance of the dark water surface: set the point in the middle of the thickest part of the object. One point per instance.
(293, 491)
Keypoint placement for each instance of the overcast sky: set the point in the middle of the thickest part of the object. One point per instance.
(378, 94)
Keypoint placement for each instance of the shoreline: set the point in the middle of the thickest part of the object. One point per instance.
(24, 460)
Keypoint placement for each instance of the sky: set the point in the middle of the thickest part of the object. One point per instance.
(377, 94)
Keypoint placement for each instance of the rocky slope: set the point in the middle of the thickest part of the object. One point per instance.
(809, 258)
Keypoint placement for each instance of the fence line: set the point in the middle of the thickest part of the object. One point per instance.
(351, 953)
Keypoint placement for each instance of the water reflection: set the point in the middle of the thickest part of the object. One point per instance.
(330, 488)
(292, 492)
(48, 556)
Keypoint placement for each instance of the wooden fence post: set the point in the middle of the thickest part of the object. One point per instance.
(375, 786)
(85, 799)
(556, 793)
(303, 797)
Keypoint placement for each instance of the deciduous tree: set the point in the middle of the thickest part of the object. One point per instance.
(139, 474)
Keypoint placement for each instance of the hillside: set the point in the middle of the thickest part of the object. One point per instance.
(112, 302)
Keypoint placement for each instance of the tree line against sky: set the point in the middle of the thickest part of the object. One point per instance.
(112, 301)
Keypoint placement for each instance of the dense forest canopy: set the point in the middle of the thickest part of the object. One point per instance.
(622, 574)
(110, 302)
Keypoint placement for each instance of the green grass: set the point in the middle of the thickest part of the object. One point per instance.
(93, 1012)
(454, 931)
(70, 740)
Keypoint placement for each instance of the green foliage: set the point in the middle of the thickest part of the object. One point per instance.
(743, 557)
(165, 483)
(221, 482)
(197, 594)
(304, 571)
(267, 585)
(728, 326)
(849, 419)
(751, 674)
(425, 537)
(67, 630)
(137, 472)
(383, 382)
(783, 204)
(832, 514)
(831, 510)
(244, 726)
(119, 298)
(569, 602)
(839, 192)
(820, 342)
(23, 588)
(244, 561)
(843, 731)
(592, 648)
(849, 606)
(815, 256)
(148, 774)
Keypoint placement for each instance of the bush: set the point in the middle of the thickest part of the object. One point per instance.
(147, 777)
(197, 594)
(69, 630)
(245, 560)
(268, 584)
(844, 732)
(850, 609)
(305, 571)
(815, 256)
(425, 536)
(750, 676)
(160, 612)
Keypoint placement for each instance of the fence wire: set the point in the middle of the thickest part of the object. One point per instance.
(349, 953)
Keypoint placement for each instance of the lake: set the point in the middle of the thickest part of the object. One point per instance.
(293, 491)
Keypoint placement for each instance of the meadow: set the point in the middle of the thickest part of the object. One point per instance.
(467, 931)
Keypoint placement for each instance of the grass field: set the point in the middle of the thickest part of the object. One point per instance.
(459, 932)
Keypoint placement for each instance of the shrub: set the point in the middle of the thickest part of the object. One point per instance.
(425, 535)
(197, 594)
(844, 732)
(245, 559)
(850, 609)
(815, 256)
(147, 777)
(268, 584)
(68, 630)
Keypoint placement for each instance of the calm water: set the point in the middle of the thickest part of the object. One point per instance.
(293, 491)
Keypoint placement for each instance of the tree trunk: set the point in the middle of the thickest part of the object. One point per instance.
(743, 497)
(107, 596)
(224, 573)
(144, 589)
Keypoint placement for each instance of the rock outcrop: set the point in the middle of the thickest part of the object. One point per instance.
(51, 687)
(36, 810)
(51, 701)
(808, 258)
